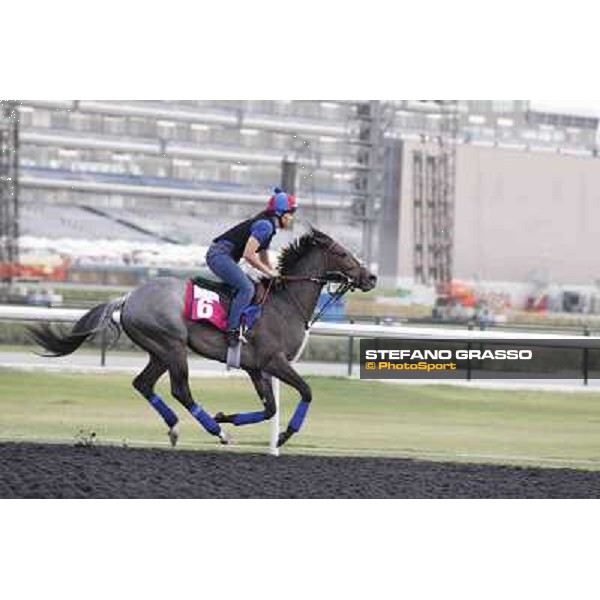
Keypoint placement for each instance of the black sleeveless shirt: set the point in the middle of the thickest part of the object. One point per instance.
(240, 234)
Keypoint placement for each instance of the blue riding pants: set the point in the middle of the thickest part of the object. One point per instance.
(220, 262)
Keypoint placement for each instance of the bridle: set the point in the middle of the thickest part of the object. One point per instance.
(346, 284)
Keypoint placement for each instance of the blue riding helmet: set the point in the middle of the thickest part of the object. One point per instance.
(281, 203)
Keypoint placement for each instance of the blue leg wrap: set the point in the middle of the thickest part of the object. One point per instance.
(163, 410)
(248, 417)
(298, 417)
(205, 420)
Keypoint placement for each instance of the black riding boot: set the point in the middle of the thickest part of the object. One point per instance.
(233, 337)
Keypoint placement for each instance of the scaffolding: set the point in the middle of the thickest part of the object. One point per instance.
(434, 183)
(369, 124)
(9, 189)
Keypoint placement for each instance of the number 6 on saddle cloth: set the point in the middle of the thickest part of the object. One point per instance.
(208, 299)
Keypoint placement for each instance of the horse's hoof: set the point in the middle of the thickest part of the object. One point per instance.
(173, 436)
(284, 437)
(225, 438)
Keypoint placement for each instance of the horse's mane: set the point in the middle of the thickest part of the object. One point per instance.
(297, 249)
(294, 251)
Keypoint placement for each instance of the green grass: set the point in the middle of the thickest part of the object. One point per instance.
(347, 417)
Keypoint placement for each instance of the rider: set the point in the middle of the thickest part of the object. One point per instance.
(250, 240)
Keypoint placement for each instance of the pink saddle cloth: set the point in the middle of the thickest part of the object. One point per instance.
(204, 305)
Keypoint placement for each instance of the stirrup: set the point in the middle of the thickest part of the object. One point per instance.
(237, 336)
(235, 339)
(234, 356)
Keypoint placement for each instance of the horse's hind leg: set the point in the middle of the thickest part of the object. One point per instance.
(264, 389)
(170, 354)
(180, 388)
(144, 383)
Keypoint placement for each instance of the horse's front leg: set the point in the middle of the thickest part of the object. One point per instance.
(280, 367)
(264, 389)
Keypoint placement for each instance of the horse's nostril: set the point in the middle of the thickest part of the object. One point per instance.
(373, 279)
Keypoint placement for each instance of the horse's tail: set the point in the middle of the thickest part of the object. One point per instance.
(94, 321)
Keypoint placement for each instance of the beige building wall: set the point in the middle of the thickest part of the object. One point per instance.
(517, 214)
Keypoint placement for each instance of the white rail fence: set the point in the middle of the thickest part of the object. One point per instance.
(70, 315)
(32, 313)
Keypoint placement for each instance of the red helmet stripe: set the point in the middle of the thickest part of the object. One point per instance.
(272, 204)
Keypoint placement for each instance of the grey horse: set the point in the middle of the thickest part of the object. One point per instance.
(152, 316)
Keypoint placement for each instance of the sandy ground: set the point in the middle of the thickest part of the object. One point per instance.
(70, 471)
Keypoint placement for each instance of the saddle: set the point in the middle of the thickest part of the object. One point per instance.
(209, 281)
(208, 298)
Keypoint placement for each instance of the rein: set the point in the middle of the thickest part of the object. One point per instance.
(346, 285)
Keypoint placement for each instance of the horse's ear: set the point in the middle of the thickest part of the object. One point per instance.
(319, 237)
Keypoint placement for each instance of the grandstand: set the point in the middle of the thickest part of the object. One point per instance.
(177, 172)
(56, 221)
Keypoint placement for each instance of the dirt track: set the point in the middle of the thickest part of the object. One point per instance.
(60, 471)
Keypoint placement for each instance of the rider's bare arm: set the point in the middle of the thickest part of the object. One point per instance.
(254, 258)
(264, 256)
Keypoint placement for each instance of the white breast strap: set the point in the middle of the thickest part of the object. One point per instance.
(302, 346)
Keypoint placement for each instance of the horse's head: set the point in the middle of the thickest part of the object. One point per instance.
(340, 263)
